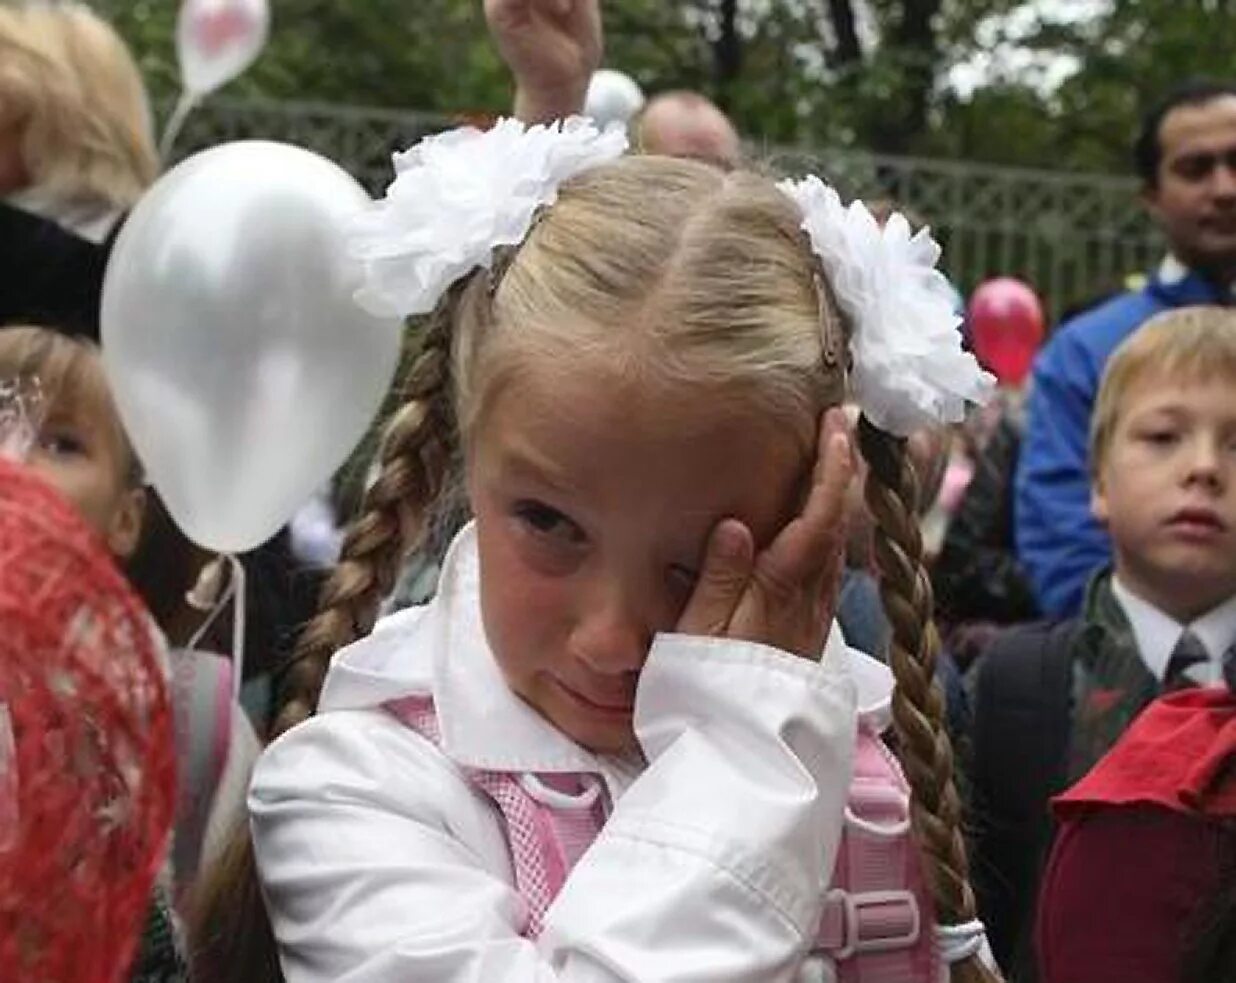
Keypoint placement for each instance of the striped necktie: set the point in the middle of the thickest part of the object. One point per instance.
(1189, 652)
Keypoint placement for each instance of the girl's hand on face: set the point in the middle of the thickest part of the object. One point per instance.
(787, 594)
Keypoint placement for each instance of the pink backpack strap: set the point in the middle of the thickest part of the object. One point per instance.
(877, 919)
(548, 824)
(202, 714)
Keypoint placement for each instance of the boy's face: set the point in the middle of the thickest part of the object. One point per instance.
(82, 458)
(593, 504)
(1166, 491)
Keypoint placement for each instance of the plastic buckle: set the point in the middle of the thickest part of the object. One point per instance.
(853, 906)
(877, 809)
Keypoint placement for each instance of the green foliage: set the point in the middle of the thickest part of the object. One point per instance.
(429, 55)
(780, 67)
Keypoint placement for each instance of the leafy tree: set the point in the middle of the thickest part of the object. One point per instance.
(866, 73)
(428, 55)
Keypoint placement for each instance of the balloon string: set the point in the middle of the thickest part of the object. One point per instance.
(238, 628)
(235, 591)
(176, 123)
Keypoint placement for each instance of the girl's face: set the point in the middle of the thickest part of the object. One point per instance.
(594, 498)
(78, 454)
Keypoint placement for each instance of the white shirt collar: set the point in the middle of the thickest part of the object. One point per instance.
(1156, 633)
(92, 221)
(1171, 270)
(440, 650)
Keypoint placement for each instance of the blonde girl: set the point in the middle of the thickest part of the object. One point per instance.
(633, 370)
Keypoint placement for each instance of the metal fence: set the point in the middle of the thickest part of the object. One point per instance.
(1073, 236)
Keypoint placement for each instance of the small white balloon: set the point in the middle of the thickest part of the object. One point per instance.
(244, 371)
(217, 40)
(612, 97)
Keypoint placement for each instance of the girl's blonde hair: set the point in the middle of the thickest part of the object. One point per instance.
(70, 85)
(675, 273)
(1178, 347)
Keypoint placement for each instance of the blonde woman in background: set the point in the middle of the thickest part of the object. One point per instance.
(76, 152)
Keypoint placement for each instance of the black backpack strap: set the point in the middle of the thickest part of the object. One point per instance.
(1023, 697)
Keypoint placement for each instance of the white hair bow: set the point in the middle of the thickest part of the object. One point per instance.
(459, 196)
(909, 370)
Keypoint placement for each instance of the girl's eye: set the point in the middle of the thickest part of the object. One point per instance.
(547, 522)
(62, 444)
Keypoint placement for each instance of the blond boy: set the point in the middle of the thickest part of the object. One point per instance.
(1052, 699)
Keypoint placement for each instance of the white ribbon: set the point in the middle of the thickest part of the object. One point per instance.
(958, 942)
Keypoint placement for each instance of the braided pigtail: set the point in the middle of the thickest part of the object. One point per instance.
(918, 704)
(415, 456)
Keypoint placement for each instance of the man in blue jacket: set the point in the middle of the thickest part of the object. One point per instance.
(1186, 157)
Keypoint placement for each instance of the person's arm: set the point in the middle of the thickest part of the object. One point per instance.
(380, 862)
(1059, 542)
(552, 48)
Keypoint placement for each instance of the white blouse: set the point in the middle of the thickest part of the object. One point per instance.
(380, 862)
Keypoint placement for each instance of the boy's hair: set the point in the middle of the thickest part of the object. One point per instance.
(70, 375)
(71, 85)
(1189, 344)
(1147, 150)
(693, 279)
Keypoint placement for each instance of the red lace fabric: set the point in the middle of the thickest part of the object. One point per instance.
(87, 774)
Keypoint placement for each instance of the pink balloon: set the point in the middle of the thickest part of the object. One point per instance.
(216, 29)
(1007, 327)
(216, 40)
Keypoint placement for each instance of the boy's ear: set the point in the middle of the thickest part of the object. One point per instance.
(1149, 197)
(1098, 501)
(124, 529)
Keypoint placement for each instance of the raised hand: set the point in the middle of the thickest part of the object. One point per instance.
(552, 48)
(786, 595)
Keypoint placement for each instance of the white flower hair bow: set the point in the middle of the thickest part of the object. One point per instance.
(458, 196)
(909, 370)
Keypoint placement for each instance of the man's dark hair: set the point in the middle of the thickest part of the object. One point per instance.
(1147, 151)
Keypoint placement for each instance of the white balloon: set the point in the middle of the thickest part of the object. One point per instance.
(243, 370)
(216, 40)
(612, 97)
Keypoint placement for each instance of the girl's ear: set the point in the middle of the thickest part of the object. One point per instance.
(124, 528)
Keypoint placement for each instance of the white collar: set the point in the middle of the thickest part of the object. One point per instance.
(1157, 633)
(440, 650)
(1171, 270)
(92, 221)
